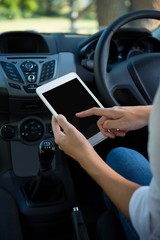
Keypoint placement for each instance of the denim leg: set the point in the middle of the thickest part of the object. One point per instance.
(133, 166)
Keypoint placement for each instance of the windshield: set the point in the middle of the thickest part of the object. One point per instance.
(74, 16)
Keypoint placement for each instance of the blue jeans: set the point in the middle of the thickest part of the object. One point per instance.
(133, 166)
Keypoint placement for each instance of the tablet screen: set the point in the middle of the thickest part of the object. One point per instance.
(70, 98)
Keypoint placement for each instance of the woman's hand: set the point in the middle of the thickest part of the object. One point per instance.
(117, 121)
(73, 143)
(69, 139)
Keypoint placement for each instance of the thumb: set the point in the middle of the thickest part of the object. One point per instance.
(62, 121)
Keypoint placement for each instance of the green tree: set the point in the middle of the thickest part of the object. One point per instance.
(141, 4)
(108, 10)
(50, 7)
(77, 11)
(9, 9)
(18, 8)
(145, 4)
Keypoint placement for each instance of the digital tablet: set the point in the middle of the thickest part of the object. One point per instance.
(68, 95)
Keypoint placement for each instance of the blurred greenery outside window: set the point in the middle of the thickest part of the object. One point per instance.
(80, 16)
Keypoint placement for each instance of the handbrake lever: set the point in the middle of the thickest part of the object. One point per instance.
(79, 225)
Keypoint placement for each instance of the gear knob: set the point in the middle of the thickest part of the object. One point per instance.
(46, 154)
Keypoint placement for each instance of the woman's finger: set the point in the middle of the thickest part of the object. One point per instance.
(93, 111)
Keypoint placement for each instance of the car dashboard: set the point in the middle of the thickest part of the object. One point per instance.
(125, 44)
(27, 60)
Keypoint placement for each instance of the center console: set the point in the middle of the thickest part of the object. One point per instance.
(41, 186)
(45, 200)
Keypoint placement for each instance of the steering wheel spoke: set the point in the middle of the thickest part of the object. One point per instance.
(122, 87)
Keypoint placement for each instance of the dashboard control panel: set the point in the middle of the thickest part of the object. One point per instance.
(28, 74)
(31, 130)
(28, 130)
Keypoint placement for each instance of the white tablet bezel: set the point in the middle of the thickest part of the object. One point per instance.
(95, 139)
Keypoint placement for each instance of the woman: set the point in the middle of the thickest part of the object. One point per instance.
(140, 204)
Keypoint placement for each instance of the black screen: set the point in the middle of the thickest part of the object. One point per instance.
(70, 98)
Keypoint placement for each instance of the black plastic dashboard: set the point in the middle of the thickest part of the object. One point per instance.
(126, 43)
(30, 59)
(19, 42)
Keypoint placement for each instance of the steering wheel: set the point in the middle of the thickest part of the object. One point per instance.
(130, 82)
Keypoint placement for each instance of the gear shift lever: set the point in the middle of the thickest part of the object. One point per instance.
(46, 154)
(46, 187)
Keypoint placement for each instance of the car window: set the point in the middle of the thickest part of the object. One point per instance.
(76, 16)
